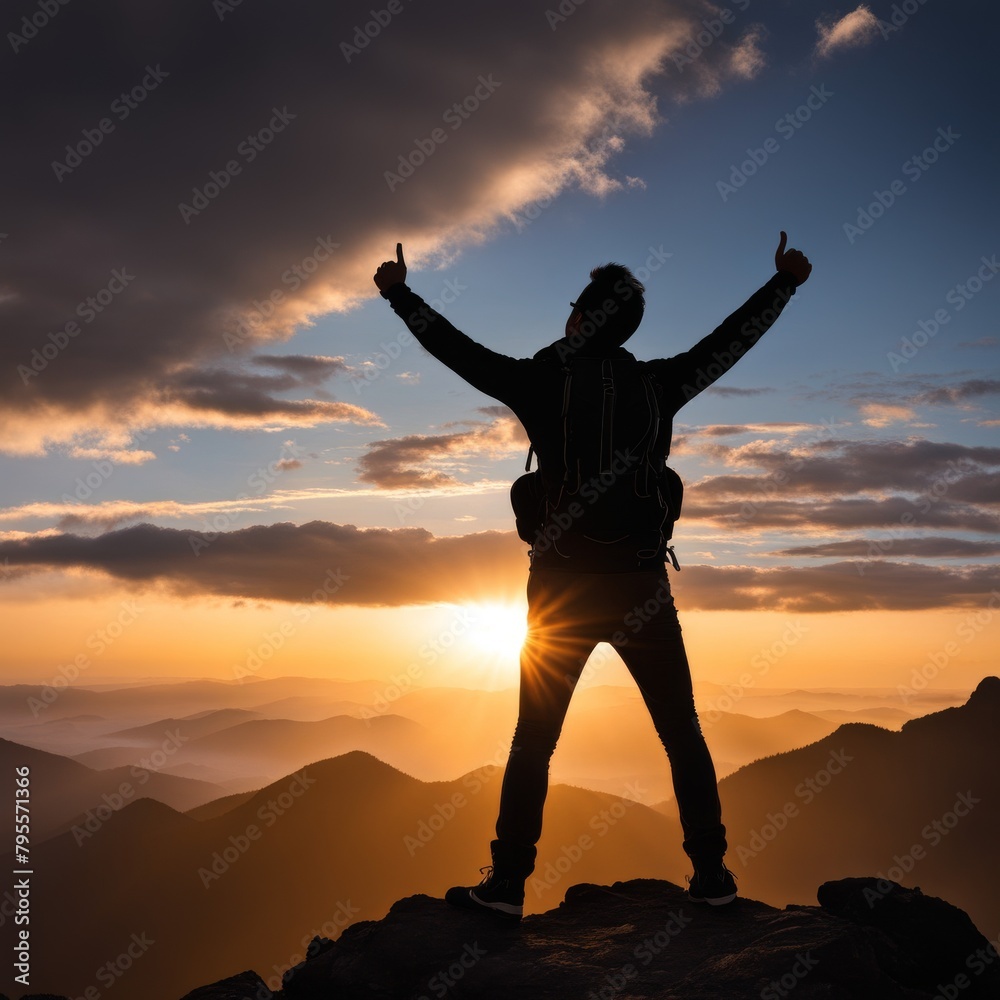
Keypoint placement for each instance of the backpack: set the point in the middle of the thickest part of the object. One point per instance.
(601, 481)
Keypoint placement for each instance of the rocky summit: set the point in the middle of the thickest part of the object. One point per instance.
(868, 939)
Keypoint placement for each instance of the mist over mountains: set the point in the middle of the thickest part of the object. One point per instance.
(222, 879)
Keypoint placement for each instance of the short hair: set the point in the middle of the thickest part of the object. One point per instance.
(614, 282)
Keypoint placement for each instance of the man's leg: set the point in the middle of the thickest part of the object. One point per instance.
(552, 658)
(655, 656)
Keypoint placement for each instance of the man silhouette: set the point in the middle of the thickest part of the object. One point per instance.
(598, 566)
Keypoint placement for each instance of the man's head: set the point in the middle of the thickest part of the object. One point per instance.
(608, 311)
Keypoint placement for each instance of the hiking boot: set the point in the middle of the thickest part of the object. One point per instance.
(501, 891)
(712, 883)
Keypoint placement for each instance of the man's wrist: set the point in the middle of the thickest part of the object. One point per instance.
(394, 290)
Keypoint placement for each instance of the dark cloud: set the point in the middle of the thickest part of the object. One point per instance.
(833, 468)
(730, 430)
(250, 399)
(732, 390)
(409, 462)
(752, 510)
(922, 548)
(188, 181)
(310, 370)
(288, 562)
(342, 564)
(841, 586)
(950, 395)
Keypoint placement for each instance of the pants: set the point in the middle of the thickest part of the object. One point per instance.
(568, 614)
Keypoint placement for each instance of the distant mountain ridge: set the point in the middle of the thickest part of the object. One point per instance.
(352, 834)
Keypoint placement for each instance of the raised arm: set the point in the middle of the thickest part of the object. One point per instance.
(685, 375)
(487, 370)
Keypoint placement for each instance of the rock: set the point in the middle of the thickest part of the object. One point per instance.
(245, 986)
(923, 939)
(645, 939)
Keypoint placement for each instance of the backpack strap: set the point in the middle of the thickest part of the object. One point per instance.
(607, 414)
(567, 386)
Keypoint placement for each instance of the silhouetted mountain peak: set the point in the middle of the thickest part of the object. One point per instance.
(981, 709)
(644, 939)
(987, 694)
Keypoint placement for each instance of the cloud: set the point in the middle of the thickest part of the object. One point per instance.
(923, 548)
(833, 468)
(852, 30)
(431, 460)
(288, 562)
(840, 586)
(344, 565)
(753, 511)
(850, 485)
(747, 58)
(960, 392)
(192, 183)
(308, 369)
(883, 414)
(786, 427)
(732, 390)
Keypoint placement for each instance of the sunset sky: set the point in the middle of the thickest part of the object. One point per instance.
(222, 456)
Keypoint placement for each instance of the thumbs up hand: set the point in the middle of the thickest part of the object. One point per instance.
(391, 272)
(793, 261)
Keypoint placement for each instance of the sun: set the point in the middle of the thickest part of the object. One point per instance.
(497, 629)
